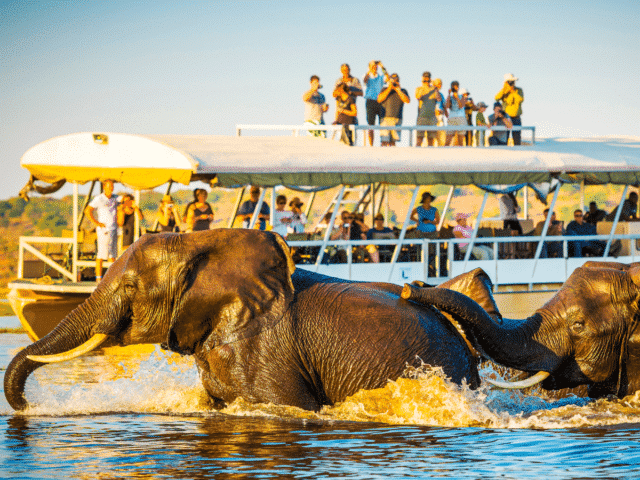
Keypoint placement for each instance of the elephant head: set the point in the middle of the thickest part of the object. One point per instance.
(587, 334)
(175, 290)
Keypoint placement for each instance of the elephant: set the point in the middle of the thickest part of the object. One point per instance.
(586, 334)
(257, 327)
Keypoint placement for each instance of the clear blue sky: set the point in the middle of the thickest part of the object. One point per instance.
(197, 67)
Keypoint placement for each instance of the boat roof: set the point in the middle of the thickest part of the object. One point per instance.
(147, 161)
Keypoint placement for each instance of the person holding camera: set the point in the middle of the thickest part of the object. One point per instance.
(512, 98)
(428, 98)
(392, 99)
(499, 118)
(314, 105)
(347, 112)
(374, 83)
(168, 216)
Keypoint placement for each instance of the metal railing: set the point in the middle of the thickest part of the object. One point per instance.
(297, 129)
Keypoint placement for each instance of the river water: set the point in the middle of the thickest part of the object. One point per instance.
(145, 415)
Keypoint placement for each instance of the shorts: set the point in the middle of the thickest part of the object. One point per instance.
(426, 121)
(374, 109)
(107, 241)
(455, 121)
(387, 135)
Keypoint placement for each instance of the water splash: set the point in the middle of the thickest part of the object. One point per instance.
(161, 382)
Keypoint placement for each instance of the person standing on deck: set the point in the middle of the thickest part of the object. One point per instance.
(315, 105)
(392, 99)
(455, 104)
(374, 83)
(127, 211)
(441, 113)
(425, 215)
(428, 98)
(512, 98)
(102, 212)
(355, 88)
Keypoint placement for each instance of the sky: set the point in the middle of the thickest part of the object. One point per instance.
(198, 67)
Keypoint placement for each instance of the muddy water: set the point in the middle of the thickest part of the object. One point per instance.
(147, 416)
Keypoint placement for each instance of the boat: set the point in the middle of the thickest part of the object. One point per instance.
(309, 164)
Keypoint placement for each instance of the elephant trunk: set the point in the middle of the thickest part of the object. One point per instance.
(73, 331)
(512, 343)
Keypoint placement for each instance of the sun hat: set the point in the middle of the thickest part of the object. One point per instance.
(461, 215)
(481, 105)
(508, 77)
(295, 201)
(463, 91)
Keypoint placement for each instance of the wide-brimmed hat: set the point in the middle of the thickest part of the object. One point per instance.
(508, 77)
(427, 194)
(463, 91)
(295, 201)
(461, 215)
(481, 105)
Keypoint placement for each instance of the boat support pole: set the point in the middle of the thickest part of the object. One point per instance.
(472, 240)
(327, 233)
(74, 261)
(446, 206)
(396, 251)
(256, 212)
(615, 222)
(236, 207)
(312, 197)
(544, 234)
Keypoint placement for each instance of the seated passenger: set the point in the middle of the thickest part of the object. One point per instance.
(580, 248)
(379, 232)
(168, 216)
(126, 213)
(629, 209)
(248, 207)
(462, 230)
(281, 217)
(550, 249)
(298, 218)
(594, 215)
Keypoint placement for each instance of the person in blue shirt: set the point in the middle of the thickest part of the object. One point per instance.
(374, 83)
(426, 215)
(579, 248)
(248, 207)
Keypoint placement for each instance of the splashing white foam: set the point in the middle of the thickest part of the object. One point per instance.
(161, 382)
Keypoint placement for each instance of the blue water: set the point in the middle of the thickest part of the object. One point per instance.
(100, 419)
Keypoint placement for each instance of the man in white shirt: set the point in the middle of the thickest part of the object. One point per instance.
(102, 211)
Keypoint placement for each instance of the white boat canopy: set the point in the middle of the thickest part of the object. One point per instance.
(147, 161)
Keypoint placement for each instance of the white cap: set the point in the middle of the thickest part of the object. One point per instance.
(463, 91)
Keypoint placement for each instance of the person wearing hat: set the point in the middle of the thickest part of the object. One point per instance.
(456, 101)
(462, 230)
(297, 216)
(481, 121)
(168, 216)
(249, 206)
(428, 97)
(512, 98)
(199, 212)
(426, 215)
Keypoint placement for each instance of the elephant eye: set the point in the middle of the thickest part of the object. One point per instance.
(577, 327)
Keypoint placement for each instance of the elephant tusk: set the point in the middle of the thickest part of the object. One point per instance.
(91, 344)
(529, 382)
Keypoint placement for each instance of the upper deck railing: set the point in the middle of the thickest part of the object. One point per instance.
(296, 130)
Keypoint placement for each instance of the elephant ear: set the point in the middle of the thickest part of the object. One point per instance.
(476, 284)
(237, 283)
(632, 358)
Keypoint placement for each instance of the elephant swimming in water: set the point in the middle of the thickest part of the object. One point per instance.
(257, 327)
(587, 334)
